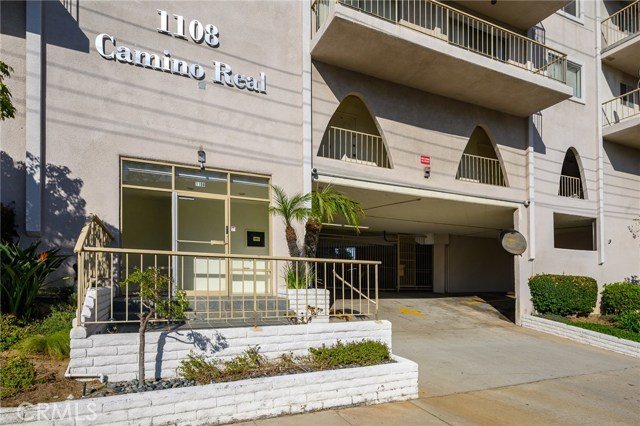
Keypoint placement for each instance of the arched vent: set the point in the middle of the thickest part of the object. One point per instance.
(479, 162)
(352, 136)
(571, 182)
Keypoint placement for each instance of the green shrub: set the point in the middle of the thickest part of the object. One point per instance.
(630, 321)
(563, 294)
(11, 331)
(199, 369)
(56, 345)
(607, 329)
(23, 274)
(366, 352)
(58, 320)
(620, 297)
(16, 375)
(297, 278)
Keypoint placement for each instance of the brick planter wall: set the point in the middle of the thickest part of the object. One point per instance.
(221, 403)
(116, 355)
(582, 335)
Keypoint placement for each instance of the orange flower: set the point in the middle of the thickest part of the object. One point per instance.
(43, 256)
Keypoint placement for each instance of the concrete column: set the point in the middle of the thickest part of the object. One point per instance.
(441, 243)
(307, 140)
(34, 169)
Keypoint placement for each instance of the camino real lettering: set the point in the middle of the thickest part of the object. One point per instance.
(107, 47)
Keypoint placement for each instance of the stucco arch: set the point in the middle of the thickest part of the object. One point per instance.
(572, 168)
(353, 134)
(481, 161)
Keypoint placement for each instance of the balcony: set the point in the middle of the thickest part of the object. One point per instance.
(354, 147)
(621, 119)
(521, 14)
(571, 187)
(621, 39)
(434, 48)
(474, 168)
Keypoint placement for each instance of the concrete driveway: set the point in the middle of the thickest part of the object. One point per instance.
(478, 368)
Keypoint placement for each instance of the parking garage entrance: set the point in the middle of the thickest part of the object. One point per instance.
(426, 241)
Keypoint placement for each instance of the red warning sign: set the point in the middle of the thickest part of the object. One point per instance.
(425, 160)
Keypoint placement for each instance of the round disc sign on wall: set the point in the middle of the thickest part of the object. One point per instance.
(513, 241)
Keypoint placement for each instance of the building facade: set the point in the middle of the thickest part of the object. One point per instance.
(449, 122)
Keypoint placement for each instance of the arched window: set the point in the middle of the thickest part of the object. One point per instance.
(352, 136)
(571, 179)
(480, 162)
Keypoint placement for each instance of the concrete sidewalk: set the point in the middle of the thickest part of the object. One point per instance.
(477, 368)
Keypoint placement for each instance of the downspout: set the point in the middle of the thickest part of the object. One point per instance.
(33, 119)
(307, 139)
(599, 141)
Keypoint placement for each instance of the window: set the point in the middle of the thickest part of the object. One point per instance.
(574, 232)
(572, 9)
(629, 100)
(574, 78)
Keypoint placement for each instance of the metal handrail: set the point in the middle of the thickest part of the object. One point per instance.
(475, 168)
(354, 147)
(221, 287)
(621, 107)
(570, 186)
(93, 227)
(622, 24)
(461, 29)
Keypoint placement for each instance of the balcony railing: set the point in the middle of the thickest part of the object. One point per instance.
(570, 187)
(478, 169)
(354, 147)
(620, 108)
(460, 29)
(622, 24)
(224, 287)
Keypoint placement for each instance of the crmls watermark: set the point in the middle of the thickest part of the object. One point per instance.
(60, 411)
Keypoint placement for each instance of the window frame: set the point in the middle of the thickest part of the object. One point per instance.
(578, 17)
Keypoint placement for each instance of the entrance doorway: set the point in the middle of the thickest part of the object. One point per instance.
(166, 207)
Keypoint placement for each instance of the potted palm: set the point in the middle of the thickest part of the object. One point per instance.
(304, 290)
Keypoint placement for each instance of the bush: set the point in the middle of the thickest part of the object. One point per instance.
(630, 321)
(252, 364)
(11, 331)
(56, 345)
(60, 319)
(563, 294)
(297, 277)
(366, 352)
(23, 274)
(620, 297)
(16, 375)
(607, 329)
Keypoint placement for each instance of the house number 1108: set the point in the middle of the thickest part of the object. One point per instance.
(199, 33)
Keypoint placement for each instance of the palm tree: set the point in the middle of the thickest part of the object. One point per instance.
(294, 209)
(326, 203)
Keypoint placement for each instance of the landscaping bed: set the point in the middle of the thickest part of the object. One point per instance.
(605, 324)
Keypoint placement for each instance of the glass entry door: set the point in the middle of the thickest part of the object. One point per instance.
(201, 227)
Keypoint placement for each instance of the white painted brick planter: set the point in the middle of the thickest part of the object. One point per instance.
(582, 335)
(115, 355)
(221, 403)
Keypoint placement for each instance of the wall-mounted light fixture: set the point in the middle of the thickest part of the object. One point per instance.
(494, 1)
(202, 158)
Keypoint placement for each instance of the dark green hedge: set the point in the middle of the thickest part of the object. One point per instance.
(563, 294)
(620, 297)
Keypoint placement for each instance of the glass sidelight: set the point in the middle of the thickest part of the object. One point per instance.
(201, 227)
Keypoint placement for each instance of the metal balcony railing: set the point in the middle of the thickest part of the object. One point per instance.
(570, 187)
(354, 147)
(622, 24)
(474, 168)
(221, 287)
(460, 29)
(620, 108)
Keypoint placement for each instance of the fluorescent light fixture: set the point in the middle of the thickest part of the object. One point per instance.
(249, 181)
(147, 171)
(201, 177)
(339, 225)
